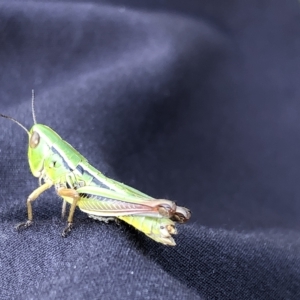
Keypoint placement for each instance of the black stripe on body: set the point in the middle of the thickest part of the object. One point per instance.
(81, 169)
(55, 151)
(94, 181)
(99, 183)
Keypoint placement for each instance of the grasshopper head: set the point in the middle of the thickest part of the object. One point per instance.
(49, 155)
(37, 148)
(41, 139)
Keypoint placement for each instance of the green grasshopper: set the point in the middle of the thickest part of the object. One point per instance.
(56, 163)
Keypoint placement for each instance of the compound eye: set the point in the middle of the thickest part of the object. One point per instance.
(34, 140)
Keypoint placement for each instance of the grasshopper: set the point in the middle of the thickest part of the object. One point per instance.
(57, 164)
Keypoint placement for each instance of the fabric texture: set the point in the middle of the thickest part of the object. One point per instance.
(194, 101)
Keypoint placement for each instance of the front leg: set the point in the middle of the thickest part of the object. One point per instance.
(73, 194)
(30, 199)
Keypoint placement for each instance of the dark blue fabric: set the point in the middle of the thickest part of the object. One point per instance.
(194, 101)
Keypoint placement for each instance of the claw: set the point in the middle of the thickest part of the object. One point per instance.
(67, 230)
(24, 225)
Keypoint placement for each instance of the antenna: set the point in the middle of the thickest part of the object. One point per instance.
(32, 106)
(12, 119)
